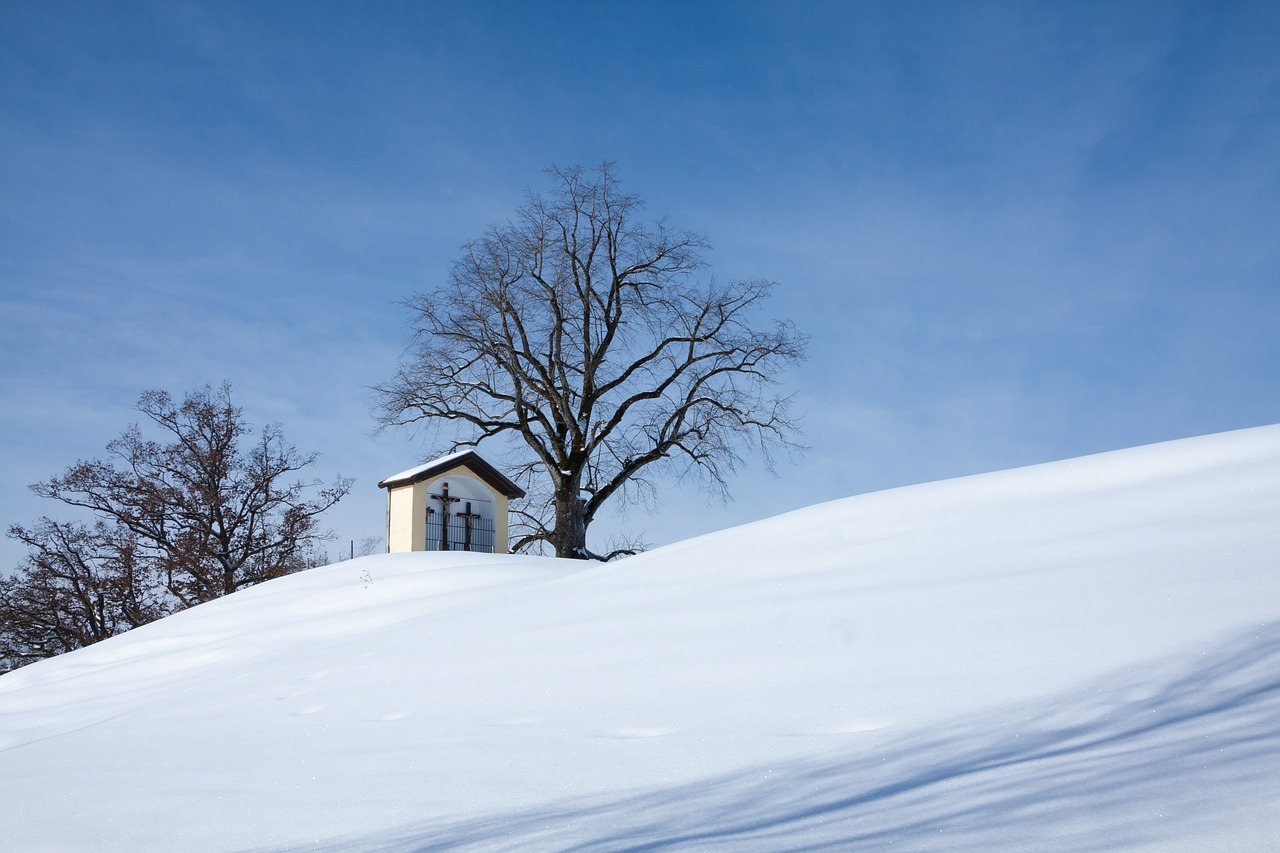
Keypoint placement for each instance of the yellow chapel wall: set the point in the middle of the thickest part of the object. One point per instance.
(406, 518)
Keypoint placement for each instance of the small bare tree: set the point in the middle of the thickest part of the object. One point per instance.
(596, 342)
(211, 508)
(370, 545)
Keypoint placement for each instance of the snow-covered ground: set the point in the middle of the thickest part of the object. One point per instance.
(1083, 655)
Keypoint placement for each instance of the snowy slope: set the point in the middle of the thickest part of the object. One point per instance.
(1082, 655)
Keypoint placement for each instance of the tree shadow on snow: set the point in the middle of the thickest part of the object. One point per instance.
(1128, 761)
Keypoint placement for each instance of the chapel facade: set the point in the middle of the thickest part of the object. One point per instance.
(455, 503)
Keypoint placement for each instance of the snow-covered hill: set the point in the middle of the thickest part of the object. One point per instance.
(1083, 655)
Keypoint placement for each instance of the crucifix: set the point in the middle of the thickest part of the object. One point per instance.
(469, 517)
(445, 500)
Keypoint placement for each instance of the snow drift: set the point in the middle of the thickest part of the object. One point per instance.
(1082, 655)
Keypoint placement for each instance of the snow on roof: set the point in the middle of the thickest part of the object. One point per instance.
(427, 466)
(474, 461)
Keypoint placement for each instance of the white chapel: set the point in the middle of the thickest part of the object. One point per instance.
(455, 503)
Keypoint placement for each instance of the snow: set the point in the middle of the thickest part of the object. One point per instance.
(1082, 655)
(410, 473)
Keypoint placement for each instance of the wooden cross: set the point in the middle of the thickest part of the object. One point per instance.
(469, 517)
(445, 500)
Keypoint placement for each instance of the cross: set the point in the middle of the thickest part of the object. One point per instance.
(469, 517)
(445, 500)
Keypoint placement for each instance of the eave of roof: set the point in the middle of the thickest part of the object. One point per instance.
(472, 460)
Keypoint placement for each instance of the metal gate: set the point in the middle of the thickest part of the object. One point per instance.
(459, 532)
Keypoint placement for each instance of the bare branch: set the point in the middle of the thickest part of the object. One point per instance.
(209, 508)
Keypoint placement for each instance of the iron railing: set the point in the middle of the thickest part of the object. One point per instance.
(462, 533)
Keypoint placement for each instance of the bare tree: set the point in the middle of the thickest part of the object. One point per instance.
(600, 346)
(370, 545)
(78, 585)
(211, 508)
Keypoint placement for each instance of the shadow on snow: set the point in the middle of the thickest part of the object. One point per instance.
(1126, 761)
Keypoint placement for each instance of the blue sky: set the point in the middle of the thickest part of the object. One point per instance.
(1015, 232)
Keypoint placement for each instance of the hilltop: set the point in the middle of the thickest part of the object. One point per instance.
(1078, 655)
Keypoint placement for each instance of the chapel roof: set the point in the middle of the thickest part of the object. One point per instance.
(472, 460)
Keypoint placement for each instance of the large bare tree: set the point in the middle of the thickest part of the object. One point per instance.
(599, 343)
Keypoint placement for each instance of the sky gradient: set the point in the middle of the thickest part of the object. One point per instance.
(1014, 232)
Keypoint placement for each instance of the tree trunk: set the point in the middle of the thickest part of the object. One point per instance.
(570, 536)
